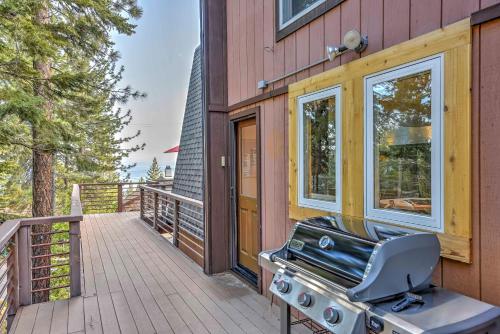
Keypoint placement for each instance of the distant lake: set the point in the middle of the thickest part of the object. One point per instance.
(140, 170)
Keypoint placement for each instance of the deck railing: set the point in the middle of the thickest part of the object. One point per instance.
(180, 217)
(115, 197)
(39, 260)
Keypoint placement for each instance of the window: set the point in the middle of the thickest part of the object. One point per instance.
(319, 125)
(291, 10)
(404, 145)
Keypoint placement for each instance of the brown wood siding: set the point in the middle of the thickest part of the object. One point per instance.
(489, 123)
(387, 22)
(253, 54)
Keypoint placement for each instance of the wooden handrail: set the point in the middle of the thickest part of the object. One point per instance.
(115, 197)
(125, 183)
(180, 198)
(7, 230)
(76, 203)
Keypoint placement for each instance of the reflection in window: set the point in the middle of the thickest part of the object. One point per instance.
(404, 145)
(248, 161)
(293, 9)
(319, 146)
(403, 134)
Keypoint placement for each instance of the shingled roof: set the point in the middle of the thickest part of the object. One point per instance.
(188, 180)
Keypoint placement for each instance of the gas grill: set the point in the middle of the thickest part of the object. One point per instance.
(359, 276)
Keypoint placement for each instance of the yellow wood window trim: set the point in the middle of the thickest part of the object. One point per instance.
(454, 41)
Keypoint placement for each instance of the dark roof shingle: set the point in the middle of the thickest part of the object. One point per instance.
(188, 180)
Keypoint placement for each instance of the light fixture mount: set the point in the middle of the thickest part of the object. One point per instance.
(353, 40)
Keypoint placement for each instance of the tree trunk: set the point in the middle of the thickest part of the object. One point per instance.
(43, 205)
(43, 175)
(43, 184)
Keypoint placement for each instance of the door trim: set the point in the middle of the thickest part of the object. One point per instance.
(233, 120)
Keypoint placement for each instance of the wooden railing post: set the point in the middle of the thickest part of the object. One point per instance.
(74, 258)
(142, 203)
(24, 263)
(176, 223)
(120, 197)
(155, 208)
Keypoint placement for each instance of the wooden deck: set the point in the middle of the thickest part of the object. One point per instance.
(134, 281)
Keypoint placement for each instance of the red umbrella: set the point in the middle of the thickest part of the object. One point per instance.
(174, 149)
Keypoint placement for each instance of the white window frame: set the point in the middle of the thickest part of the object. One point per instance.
(315, 203)
(434, 222)
(297, 16)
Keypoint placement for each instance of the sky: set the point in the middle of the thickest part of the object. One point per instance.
(157, 60)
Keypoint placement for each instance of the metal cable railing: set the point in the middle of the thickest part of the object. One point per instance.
(39, 260)
(178, 216)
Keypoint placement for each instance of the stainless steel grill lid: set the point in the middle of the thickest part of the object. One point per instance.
(340, 253)
(380, 261)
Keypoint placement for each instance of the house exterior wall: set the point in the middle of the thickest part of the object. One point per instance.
(253, 55)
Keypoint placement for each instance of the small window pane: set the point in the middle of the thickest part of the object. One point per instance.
(319, 149)
(291, 8)
(402, 144)
(248, 161)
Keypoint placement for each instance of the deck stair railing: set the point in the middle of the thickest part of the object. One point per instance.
(39, 260)
(115, 197)
(175, 215)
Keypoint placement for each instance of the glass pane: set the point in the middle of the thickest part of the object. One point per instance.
(248, 161)
(294, 7)
(402, 148)
(319, 149)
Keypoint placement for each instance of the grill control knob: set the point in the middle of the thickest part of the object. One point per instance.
(304, 299)
(326, 243)
(283, 286)
(331, 315)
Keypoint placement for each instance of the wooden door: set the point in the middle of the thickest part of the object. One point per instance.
(248, 243)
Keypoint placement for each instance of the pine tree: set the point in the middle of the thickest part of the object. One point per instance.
(59, 87)
(15, 183)
(60, 83)
(154, 173)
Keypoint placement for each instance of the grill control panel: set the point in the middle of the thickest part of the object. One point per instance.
(327, 309)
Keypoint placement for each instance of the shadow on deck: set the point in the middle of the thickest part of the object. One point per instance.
(135, 281)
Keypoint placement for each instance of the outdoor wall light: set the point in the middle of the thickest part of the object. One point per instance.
(352, 41)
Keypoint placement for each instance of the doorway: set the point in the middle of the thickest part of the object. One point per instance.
(245, 191)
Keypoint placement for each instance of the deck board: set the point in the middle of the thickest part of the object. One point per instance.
(134, 281)
(43, 318)
(60, 317)
(76, 319)
(27, 319)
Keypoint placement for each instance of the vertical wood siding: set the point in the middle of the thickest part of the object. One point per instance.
(253, 55)
(489, 157)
